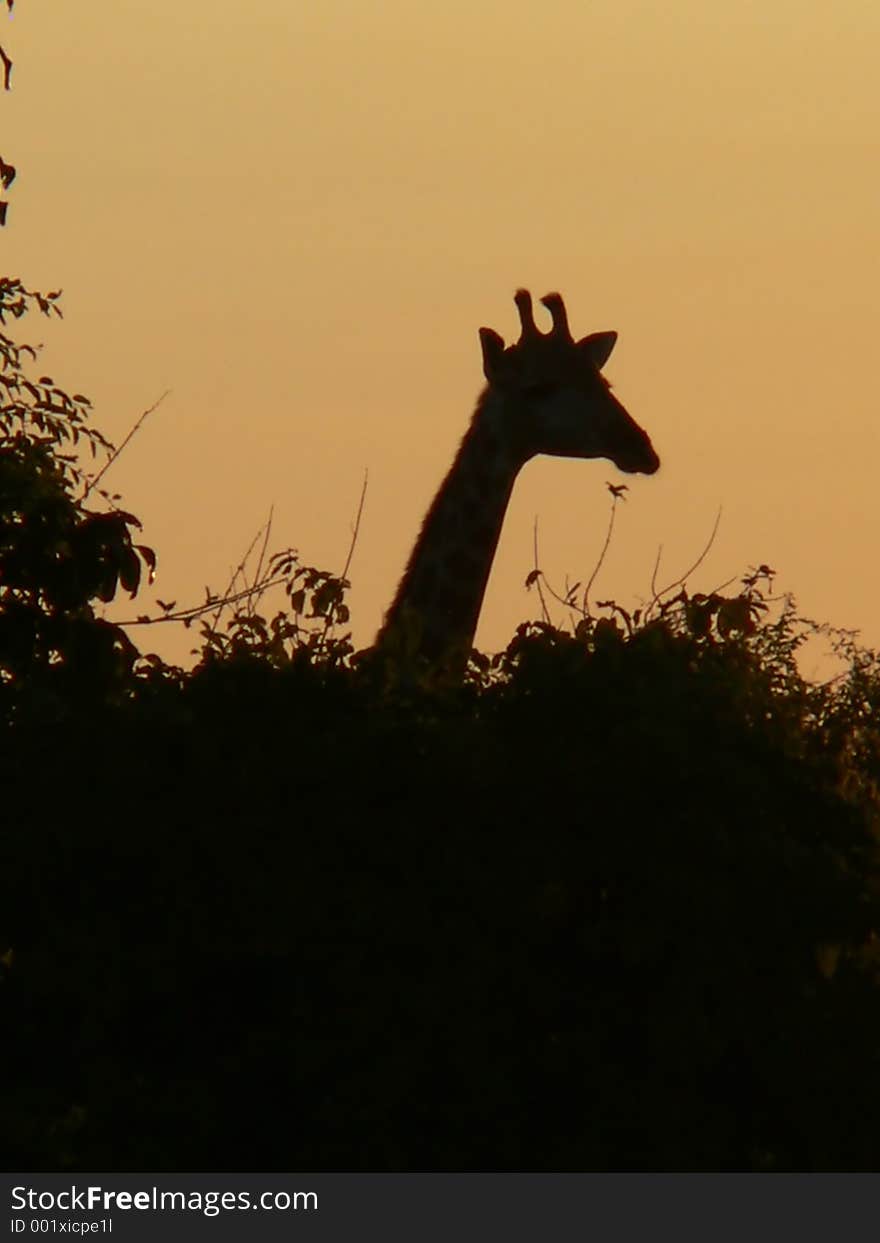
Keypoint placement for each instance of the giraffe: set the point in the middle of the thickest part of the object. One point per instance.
(544, 394)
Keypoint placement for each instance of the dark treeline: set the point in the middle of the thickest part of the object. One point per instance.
(608, 905)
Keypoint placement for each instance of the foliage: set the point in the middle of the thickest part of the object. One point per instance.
(316, 600)
(610, 904)
(57, 555)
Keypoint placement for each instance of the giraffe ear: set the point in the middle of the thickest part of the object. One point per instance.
(493, 348)
(598, 347)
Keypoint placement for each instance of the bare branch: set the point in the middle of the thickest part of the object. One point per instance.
(684, 577)
(199, 610)
(229, 595)
(586, 607)
(538, 575)
(328, 621)
(357, 527)
(721, 586)
(259, 570)
(655, 572)
(116, 452)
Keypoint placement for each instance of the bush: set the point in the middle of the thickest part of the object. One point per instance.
(608, 905)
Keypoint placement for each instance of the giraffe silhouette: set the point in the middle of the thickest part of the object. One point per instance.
(544, 394)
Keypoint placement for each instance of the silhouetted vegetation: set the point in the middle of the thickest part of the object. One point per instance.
(7, 171)
(610, 904)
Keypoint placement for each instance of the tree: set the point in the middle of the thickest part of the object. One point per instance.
(57, 555)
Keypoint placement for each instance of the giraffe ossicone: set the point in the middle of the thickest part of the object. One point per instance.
(544, 394)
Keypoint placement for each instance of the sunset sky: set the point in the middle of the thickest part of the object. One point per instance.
(295, 215)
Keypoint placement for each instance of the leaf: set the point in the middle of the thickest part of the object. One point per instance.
(106, 588)
(148, 555)
(735, 614)
(607, 632)
(130, 573)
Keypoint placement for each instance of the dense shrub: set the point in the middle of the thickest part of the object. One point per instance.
(609, 905)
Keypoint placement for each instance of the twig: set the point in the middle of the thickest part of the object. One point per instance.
(198, 610)
(655, 572)
(351, 547)
(259, 569)
(586, 606)
(116, 452)
(721, 586)
(537, 568)
(228, 596)
(684, 577)
(357, 527)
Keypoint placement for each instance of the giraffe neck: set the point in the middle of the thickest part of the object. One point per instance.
(434, 615)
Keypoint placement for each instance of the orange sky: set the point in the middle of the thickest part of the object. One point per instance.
(296, 215)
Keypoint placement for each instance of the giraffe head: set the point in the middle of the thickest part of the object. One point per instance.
(555, 395)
